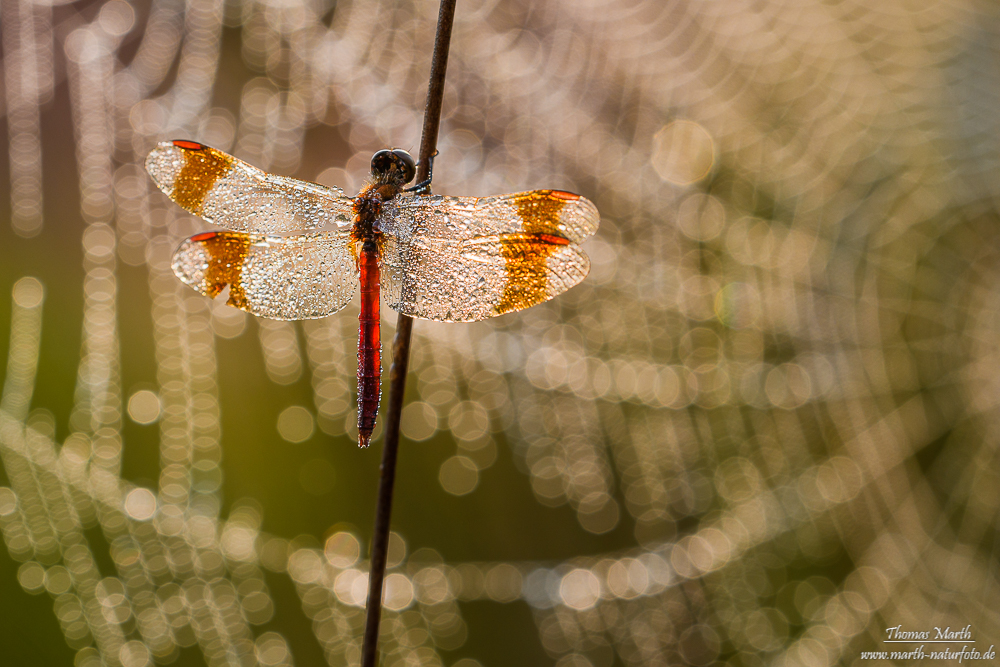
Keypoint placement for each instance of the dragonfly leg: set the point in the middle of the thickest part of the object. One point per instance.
(424, 186)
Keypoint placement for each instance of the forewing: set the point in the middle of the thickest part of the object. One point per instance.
(284, 278)
(552, 212)
(478, 278)
(233, 194)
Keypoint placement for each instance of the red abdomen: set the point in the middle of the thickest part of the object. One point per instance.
(369, 344)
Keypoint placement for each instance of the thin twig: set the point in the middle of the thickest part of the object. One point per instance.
(401, 354)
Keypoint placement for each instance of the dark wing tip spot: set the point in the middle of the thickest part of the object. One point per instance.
(562, 194)
(552, 239)
(189, 145)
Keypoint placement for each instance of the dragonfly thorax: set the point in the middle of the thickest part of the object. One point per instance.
(391, 170)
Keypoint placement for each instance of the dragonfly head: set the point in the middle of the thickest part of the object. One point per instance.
(393, 166)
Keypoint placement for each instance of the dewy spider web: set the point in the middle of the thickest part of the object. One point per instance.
(772, 405)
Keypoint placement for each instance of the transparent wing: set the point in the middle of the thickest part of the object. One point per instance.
(552, 212)
(235, 195)
(478, 278)
(462, 259)
(284, 278)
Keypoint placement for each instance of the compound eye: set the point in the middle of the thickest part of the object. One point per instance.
(406, 163)
(381, 161)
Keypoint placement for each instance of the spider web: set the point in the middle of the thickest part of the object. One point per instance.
(768, 409)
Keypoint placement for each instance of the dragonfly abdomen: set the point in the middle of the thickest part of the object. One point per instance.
(369, 343)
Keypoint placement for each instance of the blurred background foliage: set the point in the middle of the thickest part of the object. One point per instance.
(761, 432)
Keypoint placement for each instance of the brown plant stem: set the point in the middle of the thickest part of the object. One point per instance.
(401, 354)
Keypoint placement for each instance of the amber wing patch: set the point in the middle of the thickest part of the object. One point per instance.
(526, 254)
(526, 257)
(540, 210)
(210, 261)
(203, 166)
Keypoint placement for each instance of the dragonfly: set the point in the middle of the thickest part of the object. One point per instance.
(294, 250)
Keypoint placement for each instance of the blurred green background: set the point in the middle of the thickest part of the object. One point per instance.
(761, 431)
